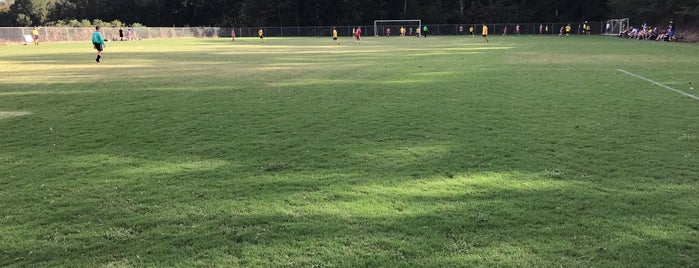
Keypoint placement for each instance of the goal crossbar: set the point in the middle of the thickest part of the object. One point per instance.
(378, 31)
(615, 26)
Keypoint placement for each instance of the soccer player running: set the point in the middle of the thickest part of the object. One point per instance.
(388, 32)
(568, 30)
(98, 42)
(470, 31)
(485, 33)
(233, 35)
(337, 42)
(358, 35)
(261, 33)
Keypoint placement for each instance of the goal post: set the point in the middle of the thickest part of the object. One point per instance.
(380, 26)
(614, 26)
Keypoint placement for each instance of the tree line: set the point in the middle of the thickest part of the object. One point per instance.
(253, 13)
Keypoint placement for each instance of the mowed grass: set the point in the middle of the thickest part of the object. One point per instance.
(439, 152)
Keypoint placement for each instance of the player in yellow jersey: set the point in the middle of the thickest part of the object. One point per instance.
(35, 35)
(485, 33)
(470, 31)
(262, 35)
(568, 30)
(337, 42)
(402, 31)
(588, 29)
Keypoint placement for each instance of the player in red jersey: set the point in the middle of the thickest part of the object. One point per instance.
(358, 35)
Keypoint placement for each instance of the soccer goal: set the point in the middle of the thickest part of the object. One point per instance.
(383, 27)
(615, 26)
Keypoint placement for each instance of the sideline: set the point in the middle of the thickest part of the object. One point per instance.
(659, 84)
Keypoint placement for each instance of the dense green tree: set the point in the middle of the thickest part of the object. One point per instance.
(341, 12)
(32, 11)
(656, 12)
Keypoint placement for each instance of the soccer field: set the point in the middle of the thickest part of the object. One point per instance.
(526, 151)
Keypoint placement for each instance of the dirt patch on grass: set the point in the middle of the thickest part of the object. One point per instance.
(689, 34)
(692, 37)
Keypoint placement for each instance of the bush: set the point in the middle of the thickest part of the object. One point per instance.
(81, 23)
(117, 23)
(98, 22)
(74, 23)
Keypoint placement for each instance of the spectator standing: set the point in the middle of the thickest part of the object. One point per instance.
(671, 29)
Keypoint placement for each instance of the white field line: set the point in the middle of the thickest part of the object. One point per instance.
(659, 84)
(4, 114)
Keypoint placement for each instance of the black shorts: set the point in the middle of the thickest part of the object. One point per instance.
(485, 35)
(98, 46)
(334, 38)
(262, 36)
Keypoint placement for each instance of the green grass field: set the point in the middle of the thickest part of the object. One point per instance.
(439, 152)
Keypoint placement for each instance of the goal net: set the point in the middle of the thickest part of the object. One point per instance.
(384, 27)
(615, 26)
